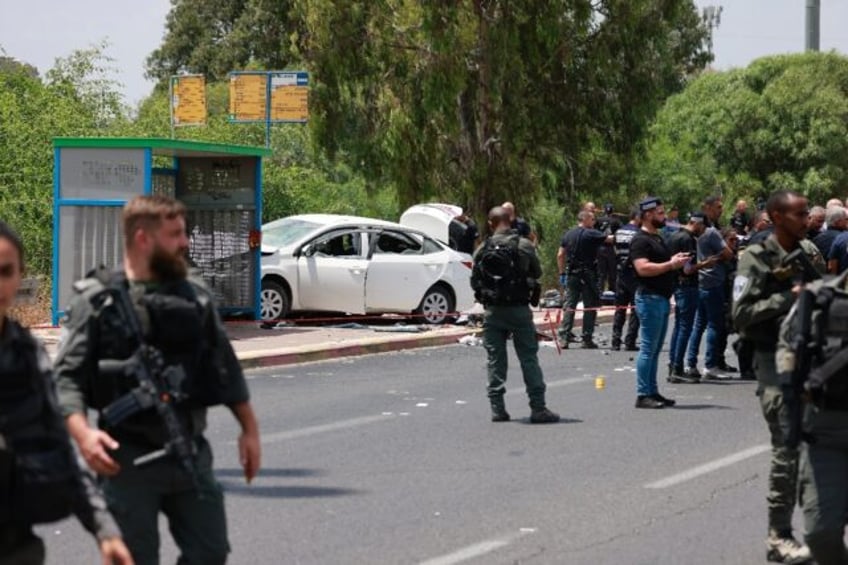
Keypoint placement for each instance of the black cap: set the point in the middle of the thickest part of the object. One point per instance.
(697, 216)
(649, 203)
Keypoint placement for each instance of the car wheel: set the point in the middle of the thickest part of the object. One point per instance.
(274, 301)
(435, 306)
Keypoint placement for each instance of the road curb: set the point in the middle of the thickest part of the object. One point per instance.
(326, 352)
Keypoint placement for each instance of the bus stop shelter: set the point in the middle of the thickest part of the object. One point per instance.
(220, 185)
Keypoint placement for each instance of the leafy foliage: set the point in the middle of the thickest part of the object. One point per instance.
(780, 123)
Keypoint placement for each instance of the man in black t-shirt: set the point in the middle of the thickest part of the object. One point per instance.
(655, 271)
(578, 264)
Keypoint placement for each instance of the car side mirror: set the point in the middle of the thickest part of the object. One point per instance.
(307, 251)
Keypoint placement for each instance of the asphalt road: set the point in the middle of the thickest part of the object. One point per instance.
(393, 459)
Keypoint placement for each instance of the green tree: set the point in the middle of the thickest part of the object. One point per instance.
(483, 101)
(780, 123)
(214, 37)
(31, 114)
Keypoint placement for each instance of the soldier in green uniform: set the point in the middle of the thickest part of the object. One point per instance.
(821, 362)
(763, 292)
(179, 319)
(40, 479)
(506, 272)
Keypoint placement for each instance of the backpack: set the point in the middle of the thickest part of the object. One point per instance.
(498, 277)
(38, 470)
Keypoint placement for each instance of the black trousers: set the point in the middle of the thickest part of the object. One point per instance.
(607, 268)
(625, 292)
(20, 546)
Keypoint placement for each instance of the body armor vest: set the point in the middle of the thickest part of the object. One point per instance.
(172, 319)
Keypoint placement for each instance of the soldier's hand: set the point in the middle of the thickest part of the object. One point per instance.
(115, 552)
(93, 448)
(796, 290)
(250, 454)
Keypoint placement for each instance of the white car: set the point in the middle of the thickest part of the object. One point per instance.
(325, 262)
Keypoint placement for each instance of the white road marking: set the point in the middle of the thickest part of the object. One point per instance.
(709, 467)
(314, 430)
(478, 549)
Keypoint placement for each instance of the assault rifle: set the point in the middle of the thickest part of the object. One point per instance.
(803, 350)
(159, 386)
(800, 265)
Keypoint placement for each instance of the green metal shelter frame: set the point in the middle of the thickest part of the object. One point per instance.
(220, 184)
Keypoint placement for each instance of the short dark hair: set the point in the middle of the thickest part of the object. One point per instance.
(147, 213)
(10, 235)
(712, 199)
(779, 200)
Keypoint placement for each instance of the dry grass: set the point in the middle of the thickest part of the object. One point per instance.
(37, 313)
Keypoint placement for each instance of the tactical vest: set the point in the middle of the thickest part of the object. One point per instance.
(38, 472)
(497, 277)
(781, 279)
(173, 319)
(827, 382)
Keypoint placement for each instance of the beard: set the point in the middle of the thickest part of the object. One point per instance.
(168, 266)
(657, 223)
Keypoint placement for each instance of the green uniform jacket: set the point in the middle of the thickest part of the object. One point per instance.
(76, 362)
(762, 290)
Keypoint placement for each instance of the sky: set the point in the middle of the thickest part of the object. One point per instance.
(39, 31)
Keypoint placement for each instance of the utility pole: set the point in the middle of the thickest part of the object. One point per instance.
(812, 27)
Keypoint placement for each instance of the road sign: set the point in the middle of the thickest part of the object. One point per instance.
(248, 93)
(188, 100)
(289, 97)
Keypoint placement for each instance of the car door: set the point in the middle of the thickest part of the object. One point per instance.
(401, 270)
(331, 272)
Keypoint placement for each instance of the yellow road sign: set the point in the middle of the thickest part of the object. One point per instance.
(247, 97)
(289, 97)
(188, 100)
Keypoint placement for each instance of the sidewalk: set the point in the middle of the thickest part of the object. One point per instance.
(257, 347)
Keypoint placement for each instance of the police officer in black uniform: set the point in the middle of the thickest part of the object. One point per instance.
(40, 480)
(578, 262)
(179, 319)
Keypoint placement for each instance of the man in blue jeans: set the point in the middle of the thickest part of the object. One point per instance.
(685, 240)
(712, 296)
(656, 272)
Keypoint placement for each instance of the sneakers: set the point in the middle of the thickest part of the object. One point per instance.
(678, 376)
(715, 374)
(786, 549)
(543, 416)
(589, 344)
(692, 372)
(664, 400)
(499, 414)
(727, 368)
(649, 402)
